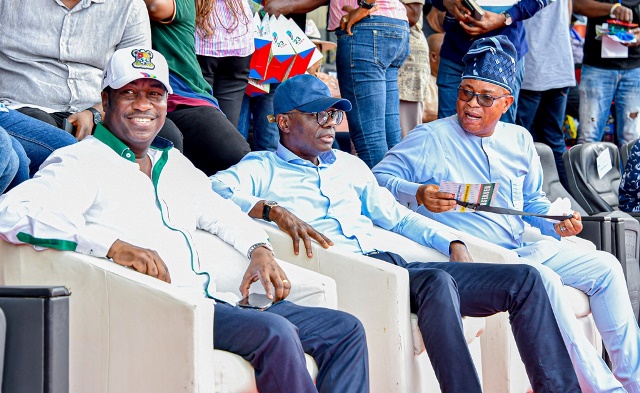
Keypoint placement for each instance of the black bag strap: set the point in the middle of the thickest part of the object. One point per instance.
(503, 210)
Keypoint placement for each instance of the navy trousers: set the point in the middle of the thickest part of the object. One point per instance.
(442, 292)
(275, 341)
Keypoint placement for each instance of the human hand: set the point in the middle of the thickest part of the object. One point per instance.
(623, 13)
(636, 33)
(275, 7)
(353, 16)
(458, 252)
(569, 227)
(264, 267)
(457, 9)
(142, 260)
(474, 27)
(435, 201)
(83, 122)
(298, 229)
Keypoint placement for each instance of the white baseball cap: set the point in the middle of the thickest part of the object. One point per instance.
(129, 64)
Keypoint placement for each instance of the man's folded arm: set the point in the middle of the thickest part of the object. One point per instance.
(384, 211)
(224, 218)
(404, 191)
(405, 167)
(48, 212)
(241, 183)
(422, 230)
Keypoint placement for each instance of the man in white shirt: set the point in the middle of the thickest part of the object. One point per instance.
(127, 195)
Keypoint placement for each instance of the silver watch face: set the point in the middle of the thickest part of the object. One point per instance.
(271, 203)
(97, 118)
(509, 19)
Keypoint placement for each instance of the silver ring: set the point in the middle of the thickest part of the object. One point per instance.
(562, 229)
(285, 280)
(344, 18)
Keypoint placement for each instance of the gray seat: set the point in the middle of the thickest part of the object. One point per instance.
(608, 228)
(3, 335)
(594, 193)
(624, 153)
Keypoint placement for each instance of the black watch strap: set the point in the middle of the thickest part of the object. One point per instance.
(364, 4)
(97, 117)
(266, 209)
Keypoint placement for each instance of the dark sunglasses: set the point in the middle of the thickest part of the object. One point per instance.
(485, 100)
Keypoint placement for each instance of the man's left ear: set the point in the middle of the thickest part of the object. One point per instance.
(508, 101)
(282, 122)
(106, 100)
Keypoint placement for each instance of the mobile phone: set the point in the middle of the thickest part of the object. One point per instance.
(68, 127)
(476, 11)
(256, 301)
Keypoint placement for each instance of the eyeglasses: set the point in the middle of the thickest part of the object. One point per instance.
(322, 117)
(485, 100)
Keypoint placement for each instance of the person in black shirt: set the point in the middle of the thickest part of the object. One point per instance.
(605, 79)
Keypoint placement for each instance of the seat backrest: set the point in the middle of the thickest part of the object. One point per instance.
(594, 193)
(551, 184)
(624, 153)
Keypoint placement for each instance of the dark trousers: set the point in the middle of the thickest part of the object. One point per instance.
(442, 292)
(168, 131)
(211, 142)
(275, 341)
(542, 113)
(228, 77)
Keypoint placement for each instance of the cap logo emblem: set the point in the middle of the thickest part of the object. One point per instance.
(142, 59)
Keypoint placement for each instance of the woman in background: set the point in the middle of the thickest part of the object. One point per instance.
(224, 44)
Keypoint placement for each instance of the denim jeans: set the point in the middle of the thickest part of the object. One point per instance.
(598, 88)
(449, 78)
(542, 113)
(275, 341)
(23, 164)
(38, 138)
(367, 63)
(8, 161)
(599, 275)
(255, 111)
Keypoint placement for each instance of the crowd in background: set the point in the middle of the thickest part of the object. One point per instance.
(567, 91)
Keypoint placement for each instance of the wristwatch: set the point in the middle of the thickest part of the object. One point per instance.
(97, 117)
(364, 4)
(266, 209)
(509, 20)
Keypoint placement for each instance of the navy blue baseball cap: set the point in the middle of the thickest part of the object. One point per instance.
(306, 93)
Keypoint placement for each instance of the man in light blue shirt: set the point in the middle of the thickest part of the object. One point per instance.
(475, 147)
(335, 193)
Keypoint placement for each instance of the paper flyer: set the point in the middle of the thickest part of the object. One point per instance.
(481, 194)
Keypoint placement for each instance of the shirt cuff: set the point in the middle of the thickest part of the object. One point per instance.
(547, 228)
(515, 13)
(96, 242)
(442, 241)
(407, 194)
